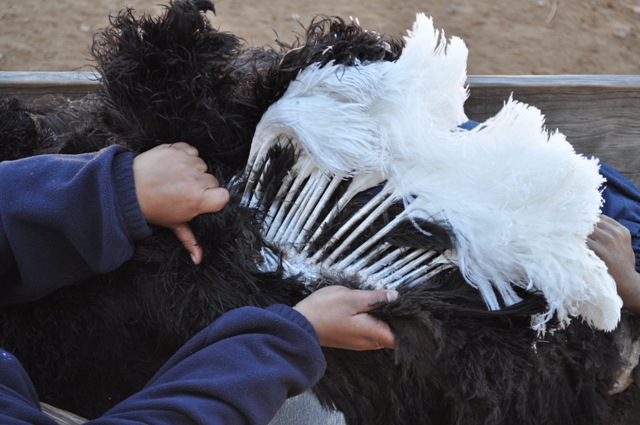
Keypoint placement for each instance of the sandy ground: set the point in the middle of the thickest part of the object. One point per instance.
(503, 36)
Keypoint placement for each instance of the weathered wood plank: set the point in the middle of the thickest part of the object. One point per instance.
(549, 81)
(33, 84)
(62, 417)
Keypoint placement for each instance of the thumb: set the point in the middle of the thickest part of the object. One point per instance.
(185, 235)
(214, 200)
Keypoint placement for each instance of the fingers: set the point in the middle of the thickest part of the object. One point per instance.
(340, 317)
(386, 340)
(594, 240)
(173, 186)
(606, 220)
(377, 332)
(608, 233)
(611, 241)
(610, 225)
(199, 165)
(185, 147)
(193, 161)
(185, 235)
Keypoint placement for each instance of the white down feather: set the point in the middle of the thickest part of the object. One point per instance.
(327, 110)
(520, 201)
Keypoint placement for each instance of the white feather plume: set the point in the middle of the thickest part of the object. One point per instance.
(327, 111)
(520, 201)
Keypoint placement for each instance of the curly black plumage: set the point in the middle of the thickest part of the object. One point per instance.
(325, 41)
(171, 79)
(19, 136)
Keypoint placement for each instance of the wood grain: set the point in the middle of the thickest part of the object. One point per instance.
(33, 84)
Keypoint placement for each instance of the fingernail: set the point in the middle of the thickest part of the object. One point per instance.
(392, 296)
(193, 258)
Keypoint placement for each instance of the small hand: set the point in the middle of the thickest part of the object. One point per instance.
(611, 241)
(173, 186)
(340, 317)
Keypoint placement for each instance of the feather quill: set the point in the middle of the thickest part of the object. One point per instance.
(519, 201)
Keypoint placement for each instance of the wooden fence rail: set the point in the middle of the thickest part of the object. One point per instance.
(598, 113)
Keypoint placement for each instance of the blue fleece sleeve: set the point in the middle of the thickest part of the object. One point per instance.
(18, 400)
(622, 203)
(63, 218)
(239, 370)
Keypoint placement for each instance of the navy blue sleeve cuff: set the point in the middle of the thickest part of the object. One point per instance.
(295, 317)
(129, 209)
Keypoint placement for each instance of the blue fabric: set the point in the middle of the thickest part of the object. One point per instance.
(622, 203)
(18, 400)
(64, 218)
(469, 125)
(238, 370)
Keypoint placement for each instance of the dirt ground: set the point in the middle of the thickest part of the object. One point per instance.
(503, 36)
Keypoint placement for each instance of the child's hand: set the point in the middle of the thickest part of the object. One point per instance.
(611, 241)
(173, 186)
(339, 316)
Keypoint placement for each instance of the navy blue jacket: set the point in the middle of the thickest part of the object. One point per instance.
(622, 203)
(63, 218)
